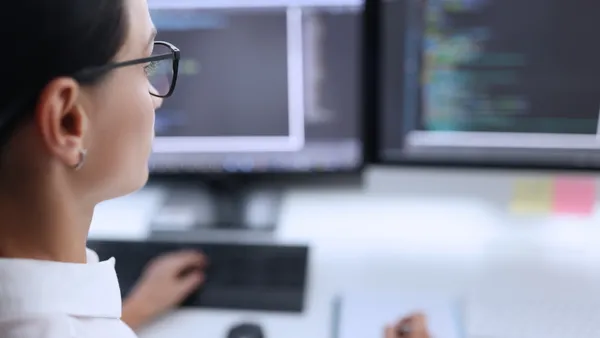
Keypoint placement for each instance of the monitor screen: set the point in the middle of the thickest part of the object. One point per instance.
(262, 87)
(502, 82)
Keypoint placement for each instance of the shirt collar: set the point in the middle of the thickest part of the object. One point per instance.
(34, 287)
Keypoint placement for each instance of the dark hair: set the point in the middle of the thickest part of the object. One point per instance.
(45, 39)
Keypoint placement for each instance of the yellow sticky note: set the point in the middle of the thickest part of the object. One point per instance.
(533, 196)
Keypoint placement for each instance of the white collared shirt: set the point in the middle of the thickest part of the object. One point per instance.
(41, 299)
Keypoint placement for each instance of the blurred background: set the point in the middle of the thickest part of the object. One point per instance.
(346, 162)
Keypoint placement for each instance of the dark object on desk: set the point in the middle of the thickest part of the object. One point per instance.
(246, 330)
(240, 276)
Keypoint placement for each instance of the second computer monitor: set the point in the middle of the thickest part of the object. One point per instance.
(498, 82)
(262, 87)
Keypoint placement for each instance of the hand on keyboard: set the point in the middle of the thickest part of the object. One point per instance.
(166, 282)
(414, 326)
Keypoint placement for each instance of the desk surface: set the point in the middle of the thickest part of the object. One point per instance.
(426, 232)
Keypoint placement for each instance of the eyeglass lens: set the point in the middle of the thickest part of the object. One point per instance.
(160, 73)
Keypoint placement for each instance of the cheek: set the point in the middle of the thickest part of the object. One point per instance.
(146, 115)
(142, 110)
(120, 140)
(129, 116)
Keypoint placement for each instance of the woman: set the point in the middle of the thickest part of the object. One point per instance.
(80, 82)
(77, 99)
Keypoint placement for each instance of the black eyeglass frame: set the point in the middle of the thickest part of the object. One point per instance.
(175, 55)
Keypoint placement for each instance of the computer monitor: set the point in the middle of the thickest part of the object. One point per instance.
(490, 82)
(267, 86)
(264, 87)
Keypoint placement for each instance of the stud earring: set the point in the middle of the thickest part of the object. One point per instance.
(81, 162)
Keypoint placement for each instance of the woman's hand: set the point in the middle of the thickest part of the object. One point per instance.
(165, 283)
(414, 326)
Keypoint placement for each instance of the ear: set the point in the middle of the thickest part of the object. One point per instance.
(61, 120)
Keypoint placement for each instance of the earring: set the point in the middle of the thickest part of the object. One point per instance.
(81, 162)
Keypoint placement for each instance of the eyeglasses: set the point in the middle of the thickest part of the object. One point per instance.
(162, 68)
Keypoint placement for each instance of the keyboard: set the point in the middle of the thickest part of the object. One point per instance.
(240, 276)
(539, 318)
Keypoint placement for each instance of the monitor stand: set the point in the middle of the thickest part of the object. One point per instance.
(219, 204)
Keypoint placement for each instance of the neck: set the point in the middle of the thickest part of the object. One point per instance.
(44, 223)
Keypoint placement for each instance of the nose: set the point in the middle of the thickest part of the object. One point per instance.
(157, 101)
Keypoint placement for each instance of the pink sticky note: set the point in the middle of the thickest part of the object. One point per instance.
(575, 196)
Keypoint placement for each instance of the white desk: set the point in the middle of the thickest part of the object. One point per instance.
(427, 231)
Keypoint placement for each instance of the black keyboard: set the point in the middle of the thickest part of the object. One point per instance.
(240, 276)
